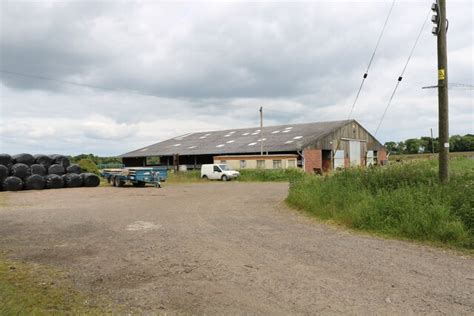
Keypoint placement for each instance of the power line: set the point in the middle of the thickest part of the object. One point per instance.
(403, 72)
(371, 59)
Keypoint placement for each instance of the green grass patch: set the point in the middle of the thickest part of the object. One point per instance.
(32, 289)
(269, 175)
(402, 200)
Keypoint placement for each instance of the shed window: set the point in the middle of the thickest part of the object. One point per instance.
(276, 164)
(291, 163)
(243, 164)
(223, 161)
(261, 164)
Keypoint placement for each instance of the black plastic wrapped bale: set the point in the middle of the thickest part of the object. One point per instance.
(6, 160)
(72, 180)
(34, 182)
(43, 160)
(61, 160)
(74, 169)
(56, 169)
(4, 172)
(27, 159)
(38, 169)
(90, 179)
(12, 184)
(20, 170)
(53, 181)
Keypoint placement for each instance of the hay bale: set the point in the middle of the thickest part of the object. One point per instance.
(21, 170)
(74, 169)
(12, 184)
(4, 173)
(53, 181)
(26, 159)
(90, 179)
(6, 160)
(56, 169)
(61, 160)
(38, 169)
(43, 160)
(34, 182)
(72, 180)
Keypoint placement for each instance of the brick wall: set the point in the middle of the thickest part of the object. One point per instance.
(381, 155)
(312, 160)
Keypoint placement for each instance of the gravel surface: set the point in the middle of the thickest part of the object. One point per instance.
(226, 248)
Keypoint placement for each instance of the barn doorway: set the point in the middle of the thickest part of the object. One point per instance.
(354, 153)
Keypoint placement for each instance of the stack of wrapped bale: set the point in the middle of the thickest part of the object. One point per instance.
(28, 172)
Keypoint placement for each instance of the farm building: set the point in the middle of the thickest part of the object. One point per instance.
(318, 147)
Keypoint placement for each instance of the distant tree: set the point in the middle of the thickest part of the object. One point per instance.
(401, 148)
(391, 147)
(461, 143)
(413, 146)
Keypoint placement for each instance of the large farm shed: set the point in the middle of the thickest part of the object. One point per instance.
(319, 146)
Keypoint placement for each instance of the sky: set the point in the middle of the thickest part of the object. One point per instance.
(145, 71)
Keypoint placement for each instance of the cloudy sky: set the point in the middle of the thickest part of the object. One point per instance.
(169, 68)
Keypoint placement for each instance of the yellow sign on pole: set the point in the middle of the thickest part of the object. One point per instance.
(441, 75)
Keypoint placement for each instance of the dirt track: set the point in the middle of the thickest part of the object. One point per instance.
(226, 248)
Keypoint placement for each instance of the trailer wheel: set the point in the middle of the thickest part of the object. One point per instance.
(112, 180)
(118, 182)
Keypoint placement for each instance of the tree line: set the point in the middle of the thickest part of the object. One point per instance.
(425, 144)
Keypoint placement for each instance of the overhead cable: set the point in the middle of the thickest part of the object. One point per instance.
(402, 73)
(371, 59)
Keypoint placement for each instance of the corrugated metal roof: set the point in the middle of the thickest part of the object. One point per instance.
(281, 138)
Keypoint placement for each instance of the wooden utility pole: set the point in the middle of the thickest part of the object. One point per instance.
(432, 141)
(261, 131)
(442, 90)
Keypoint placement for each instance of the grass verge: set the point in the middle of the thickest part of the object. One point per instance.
(31, 289)
(403, 201)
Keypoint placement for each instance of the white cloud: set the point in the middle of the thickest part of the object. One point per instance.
(211, 66)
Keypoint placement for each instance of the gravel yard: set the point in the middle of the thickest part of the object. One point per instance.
(226, 248)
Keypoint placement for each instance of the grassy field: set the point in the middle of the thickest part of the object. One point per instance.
(402, 200)
(31, 289)
(408, 157)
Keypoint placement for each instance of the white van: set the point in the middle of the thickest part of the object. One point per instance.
(218, 172)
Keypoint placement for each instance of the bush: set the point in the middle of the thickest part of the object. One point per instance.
(88, 166)
(402, 200)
